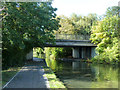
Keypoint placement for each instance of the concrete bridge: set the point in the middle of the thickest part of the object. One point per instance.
(81, 45)
(80, 48)
(71, 43)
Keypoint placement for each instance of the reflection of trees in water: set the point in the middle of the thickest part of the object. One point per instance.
(84, 72)
(107, 73)
(106, 76)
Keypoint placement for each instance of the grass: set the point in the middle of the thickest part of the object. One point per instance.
(8, 74)
(53, 81)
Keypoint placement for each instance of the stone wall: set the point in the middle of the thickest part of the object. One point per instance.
(30, 55)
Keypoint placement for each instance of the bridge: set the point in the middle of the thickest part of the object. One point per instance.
(70, 43)
(69, 40)
(81, 45)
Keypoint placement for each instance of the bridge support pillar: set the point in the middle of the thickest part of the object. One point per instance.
(88, 52)
(93, 52)
(83, 52)
(75, 52)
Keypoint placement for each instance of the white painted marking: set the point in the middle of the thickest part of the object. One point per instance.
(13, 77)
(47, 82)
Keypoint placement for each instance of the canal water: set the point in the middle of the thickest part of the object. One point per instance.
(76, 74)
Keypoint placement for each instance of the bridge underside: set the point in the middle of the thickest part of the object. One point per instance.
(80, 48)
(83, 52)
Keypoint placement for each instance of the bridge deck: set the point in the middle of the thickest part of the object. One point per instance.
(71, 43)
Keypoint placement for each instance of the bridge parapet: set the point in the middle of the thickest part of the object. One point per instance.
(71, 43)
(72, 37)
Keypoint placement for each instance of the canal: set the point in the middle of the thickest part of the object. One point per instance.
(76, 74)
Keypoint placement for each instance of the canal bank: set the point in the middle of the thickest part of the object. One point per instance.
(54, 82)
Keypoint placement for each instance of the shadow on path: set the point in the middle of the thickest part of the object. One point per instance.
(31, 76)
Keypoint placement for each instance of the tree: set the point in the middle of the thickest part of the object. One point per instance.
(77, 24)
(66, 25)
(27, 25)
(105, 35)
(111, 11)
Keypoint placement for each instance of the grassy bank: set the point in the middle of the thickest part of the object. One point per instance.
(53, 81)
(8, 74)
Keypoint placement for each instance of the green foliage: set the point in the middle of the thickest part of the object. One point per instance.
(111, 11)
(105, 35)
(53, 52)
(13, 56)
(38, 52)
(27, 25)
(66, 25)
(76, 24)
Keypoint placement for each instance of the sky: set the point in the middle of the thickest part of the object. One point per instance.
(83, 7)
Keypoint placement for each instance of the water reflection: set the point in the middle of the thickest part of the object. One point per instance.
(82, 75)
(75, 66)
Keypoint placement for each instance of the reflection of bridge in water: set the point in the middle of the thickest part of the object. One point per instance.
(81, 45)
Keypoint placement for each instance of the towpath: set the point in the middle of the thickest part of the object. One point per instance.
(30, 76)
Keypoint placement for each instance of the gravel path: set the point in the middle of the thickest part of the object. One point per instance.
(31, 76)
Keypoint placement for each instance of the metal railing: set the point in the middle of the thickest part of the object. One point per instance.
(72, 37)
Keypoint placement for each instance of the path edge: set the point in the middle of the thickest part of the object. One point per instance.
(13, 77)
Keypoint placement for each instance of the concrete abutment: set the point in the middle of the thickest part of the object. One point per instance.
(75, 52)
(83, 52)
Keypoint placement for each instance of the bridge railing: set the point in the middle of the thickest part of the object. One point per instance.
(72, 37)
